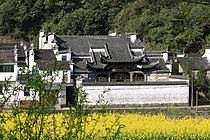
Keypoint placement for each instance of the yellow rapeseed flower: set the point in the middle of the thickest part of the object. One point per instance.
(126, 125)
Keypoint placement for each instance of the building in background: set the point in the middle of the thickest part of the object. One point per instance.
(121, 64)
(97, 63)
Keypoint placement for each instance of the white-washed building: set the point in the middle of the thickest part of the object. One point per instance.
(119, 63)
(98, 62)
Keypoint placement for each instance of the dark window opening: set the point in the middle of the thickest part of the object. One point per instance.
(71, 96)
(6, 68)
(138, 77)
(120, 77)
(102, 78)
(65, 76)
(64, 58)
(21, 58)
(26, 91)
(76, 60)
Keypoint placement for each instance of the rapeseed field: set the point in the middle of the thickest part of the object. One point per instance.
(102, 126)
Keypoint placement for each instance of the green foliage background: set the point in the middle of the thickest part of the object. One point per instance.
(162, 24)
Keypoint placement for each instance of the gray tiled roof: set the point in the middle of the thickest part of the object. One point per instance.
(137, 53)
(81, 44)
(197, 62)
(80, 65)
(42, 54)
(62, 65)
(76, 43)
(7, 56)
(53, 65)
(7, 50)
(119, 52)
(161, 65)
(7, 45)
(149, 66)
(117, 48)
(195, 55)
(153, 63)
(97, 61)
(45, 59)
(44, 65)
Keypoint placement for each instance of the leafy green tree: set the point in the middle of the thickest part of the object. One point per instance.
(55, 15)
(207, 41)
(201, 81)
(189, 68)
(7, 18)
(164, 24)
(93, 17)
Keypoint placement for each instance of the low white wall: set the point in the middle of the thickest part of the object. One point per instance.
(142, 94)
(11, 76)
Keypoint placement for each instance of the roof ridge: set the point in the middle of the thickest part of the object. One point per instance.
(91, 36)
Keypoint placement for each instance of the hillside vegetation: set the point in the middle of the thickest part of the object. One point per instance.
(162, 24)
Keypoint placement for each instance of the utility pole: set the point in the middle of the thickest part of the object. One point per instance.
(192, 90)
(197, 101)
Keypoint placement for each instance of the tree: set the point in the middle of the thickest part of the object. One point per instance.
(189, 73)
(175, 24)
(7, 18)
(201, 81)
(91, 18)
(162, 23)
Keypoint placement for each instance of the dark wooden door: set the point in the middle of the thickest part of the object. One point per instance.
(71, 97)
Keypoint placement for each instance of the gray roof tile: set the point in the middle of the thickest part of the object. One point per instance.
(117, 48)
(42, 54)
(197, 62)
(46, 59)
(6, 53)
(53, 65)
(80, 65)
(81, 44)
(7, 45)
(7, 56)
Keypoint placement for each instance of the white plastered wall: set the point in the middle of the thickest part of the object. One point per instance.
(142, 94)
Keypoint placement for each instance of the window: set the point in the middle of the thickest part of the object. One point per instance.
(64, 58)
(1, 90)
(65, 76)
(6, 68)
(26, 91)
(102, 78)
(138, 77)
